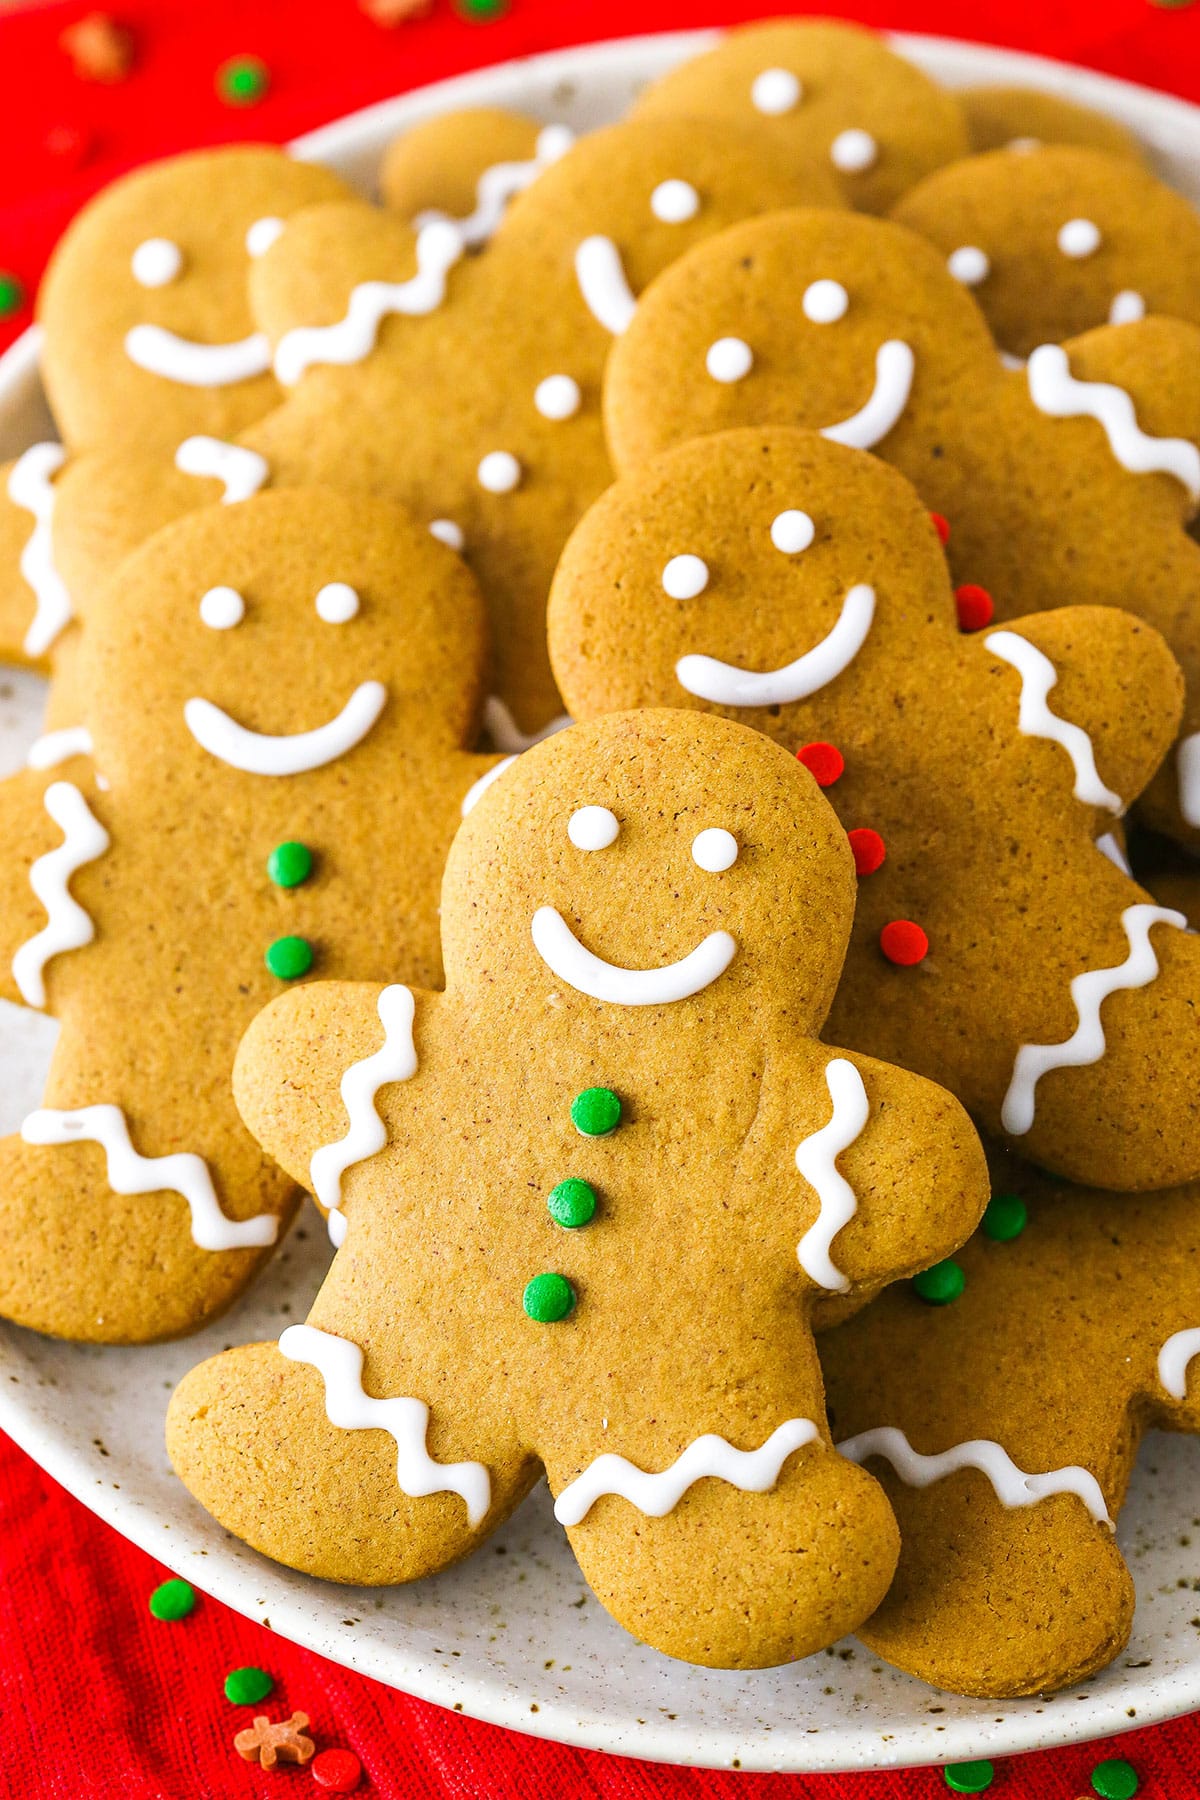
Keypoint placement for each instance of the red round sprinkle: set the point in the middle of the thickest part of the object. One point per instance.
(337, 1771)
(869, 849)
(824, 762)
(904, 943)
(69, 146)
(975, 607)
(941, 526)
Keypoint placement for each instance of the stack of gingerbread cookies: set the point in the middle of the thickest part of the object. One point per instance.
(601, 710)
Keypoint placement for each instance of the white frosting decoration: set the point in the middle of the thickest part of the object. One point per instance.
(729, 359)
(1023, 144)
(753, 1471)
(1009, 361)
(674, 202)
(816, 1159)
(396, 1060)
(1187, 769)
(1174, 1360)
(558, 397)
(566, 957)
(262, 234)
(501, 183)
(352, 337)
(506, 734)
(221, 608)
(1127, 305)
(714, 850)
(685, 577)
(258, 753)
(68, 926)
(1086, 1044)
(155, 262)
(30, 486)
(499, 472)
(1079, 238)
(725, 684)
(969, 264)
(242, 471)
(1109, 845)
(776, 91)
(824, 301)
(593, 828)
(56, 747)
(183, 1172)
(175, 358)
(894, 366)
(336, 603)
(447, 532)
(339, 1364)
(853, 151)
(603, 284)
(1012, 1486)
(792, 531)
(478, 789)
(1035, 719)
(1055, 391)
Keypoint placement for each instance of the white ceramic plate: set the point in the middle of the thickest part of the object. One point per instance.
(513, 1635)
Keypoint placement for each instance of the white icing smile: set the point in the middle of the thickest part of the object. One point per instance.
(894, 366)
(566, 957)
(175, 358)
(725, 684)
(259, 753)
(604, 284)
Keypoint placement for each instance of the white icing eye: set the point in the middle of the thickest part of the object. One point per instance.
(969, 264)
(1079, 238)
(853, 151)
(674, 202)
(729, 359)
(156, 262)
(557, 397)
(447, 532)
(221, 608)
(1022, 144)
(684, 577)
(792, 532)
(714, 850)
(593, 828)
(825, 302)
(262, 235)
(336, 602)
(1126, 306)
(776, 91)
(499, 472)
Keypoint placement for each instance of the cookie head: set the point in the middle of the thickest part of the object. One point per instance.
(648, 860)
(148, 329)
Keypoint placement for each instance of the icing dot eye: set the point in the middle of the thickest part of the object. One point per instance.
(1079, 238)
(499, 472)
(447, 532)
(674, 202)
(156, 262)
(714, 850)
(262, 235)
(221, 608)
(336, 602)
(557, 397)
(684, 577)
(729, 359)
(776, 91)
(1126, 307)
(593, 828)
(792, 532)
(1023, 144)
(969, 264)
(853, 151)
(825, 302)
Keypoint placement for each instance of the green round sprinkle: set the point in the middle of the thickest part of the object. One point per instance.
(1005, 1218)
(968, 1778)
(245, 1687)
(289, 864)
(288, 957)
(493, 9)
(572, 1203)
(173, 1600)
(243, 80)
(1115, 1779)
(549, 1298)
(596, 1112)
(12, 295)
(941, 1284)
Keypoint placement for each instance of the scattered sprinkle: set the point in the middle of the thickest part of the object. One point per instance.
(243, 80)
(244, 1687)
(968, 1777)
(99, 49)
(942, 526)
(548, 1298)
(938, 1287)
(904, 943)
(1115, 1779)
(824, 762)
(175, 1599)
(1005, 1218)
(12, 295)
(869, 850)
(289, 957)
(975, 607)
(268, 1743)
(337, 1771)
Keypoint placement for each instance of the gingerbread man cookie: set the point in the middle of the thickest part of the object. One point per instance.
(799, 586)
(1069, 481)
(467, 166)
(1020, 118)
(643, 924)
(269, 773)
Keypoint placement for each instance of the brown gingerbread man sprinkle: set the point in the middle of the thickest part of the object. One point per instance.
(267, 1742)
(99, 48)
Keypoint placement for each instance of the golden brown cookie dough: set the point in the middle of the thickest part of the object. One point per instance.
(467, 166)
(1021, 118)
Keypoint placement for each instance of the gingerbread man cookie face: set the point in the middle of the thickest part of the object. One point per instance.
(827, 91)
(1056, 241)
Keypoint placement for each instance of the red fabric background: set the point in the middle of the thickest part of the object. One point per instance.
(97, 1699)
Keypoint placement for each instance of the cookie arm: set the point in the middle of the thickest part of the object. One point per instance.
(1156, 361)
(31, 597)
(48, 831)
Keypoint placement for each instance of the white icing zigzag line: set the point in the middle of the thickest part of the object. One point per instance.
(292, 753)
(1055, 391)
(351, 338)
(339, 1364)
(30, 487)
(68, 926)
(507, 735)
(1088, 992)
(1035, 719)
(725, 684)
(603, 284)
(56, 747)
(241, 471)
(753, 1471)
(162, 352)
(183, 1173)
(396, 1060)
(1013, 1487)
(816, 1159)
(1174, 1359)
(894, 368)
(501, 183)
(589, 974)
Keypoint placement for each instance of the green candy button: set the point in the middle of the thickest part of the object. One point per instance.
(969, 1778)
(12, 295)
(244, 1687)
(289, 864)
(596, 1112)
(1115, 1779)
(939, 1286)
(289, 957)
(243, 80)
(173, 1600)
(1005, 1218)
(572, 1203)
(549, 1298)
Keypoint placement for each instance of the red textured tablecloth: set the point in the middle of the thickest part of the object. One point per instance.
(98, 1699)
